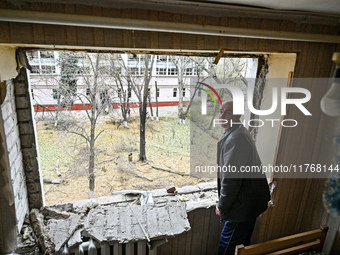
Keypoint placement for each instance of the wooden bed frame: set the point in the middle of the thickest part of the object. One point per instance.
(294, 244)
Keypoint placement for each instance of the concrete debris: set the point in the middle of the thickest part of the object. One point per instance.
(67, 207)
(119, 219)
(26, 243)
(145, 197)
(46, 245)
(75, 239)
(61, 230)
(119, 223)
(53, 213)
(188, 190)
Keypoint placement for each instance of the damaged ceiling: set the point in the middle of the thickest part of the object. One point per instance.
(208, 7)
(120, 219)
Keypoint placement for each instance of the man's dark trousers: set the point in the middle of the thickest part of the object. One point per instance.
(235, 233)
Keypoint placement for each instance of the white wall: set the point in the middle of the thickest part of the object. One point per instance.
(14, 151)
(279, 67)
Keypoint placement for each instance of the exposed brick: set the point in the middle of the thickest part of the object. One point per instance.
(33, 187)
(22, 102)
(35, 200)
(30, 153)
(27, 141)
(20, 89)
(32, 178)
(26, 128)
(31, 167)
(24, 115)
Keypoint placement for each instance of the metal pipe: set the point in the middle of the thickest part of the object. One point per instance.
(158, 26)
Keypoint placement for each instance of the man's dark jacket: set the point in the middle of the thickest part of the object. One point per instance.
(242, 196)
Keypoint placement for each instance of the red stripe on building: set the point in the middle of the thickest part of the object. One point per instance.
(82, 107)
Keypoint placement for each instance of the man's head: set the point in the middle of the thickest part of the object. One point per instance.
(226, 113)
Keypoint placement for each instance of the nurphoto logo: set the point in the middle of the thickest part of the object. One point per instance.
(239, 104)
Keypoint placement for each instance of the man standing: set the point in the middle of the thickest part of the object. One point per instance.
(242, 196)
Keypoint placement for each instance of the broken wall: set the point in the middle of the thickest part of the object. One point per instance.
(21, 179)
(14, 154)
(28, 140)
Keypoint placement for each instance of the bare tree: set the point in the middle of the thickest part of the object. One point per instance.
(90, 73)
(141, 88)
(181, 63)
(123, 84)
(67, 89)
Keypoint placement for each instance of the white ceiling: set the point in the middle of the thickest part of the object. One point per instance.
(212, 7)
(315, 6)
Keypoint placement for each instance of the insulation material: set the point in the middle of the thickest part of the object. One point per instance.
(8, 63)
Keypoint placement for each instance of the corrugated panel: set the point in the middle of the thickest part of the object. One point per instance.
(127, 223)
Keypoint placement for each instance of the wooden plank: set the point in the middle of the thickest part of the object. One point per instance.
(205, 229)
(241, 250)
(70, 31)
(153, 252)
(332, 238)
(25, 32)
(197, 230)
(189, 234)
(298, 249)
(178, 244)
(98, 33)
(153, 40)
(214, 232)
(280, 198)
(105, 249)
(141, 248)
(176, 38)
(130, 249)
(285, 242)
(117, 249)
(129, 38)
(166, 248)
(4, 28)
(112, 36)
(303, 221)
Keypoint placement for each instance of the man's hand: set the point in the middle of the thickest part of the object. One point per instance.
(218, 212)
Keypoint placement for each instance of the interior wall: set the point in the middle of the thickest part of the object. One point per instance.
(8, 63)
(298, 202)
(280, 64)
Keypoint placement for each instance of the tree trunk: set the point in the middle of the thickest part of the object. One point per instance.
(142, 114)
(91, 160)
(143, 101)
(181, 117)
(150, 105)
(57, 113)
(157, 119)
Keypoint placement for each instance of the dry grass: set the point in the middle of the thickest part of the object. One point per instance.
(168, 146)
